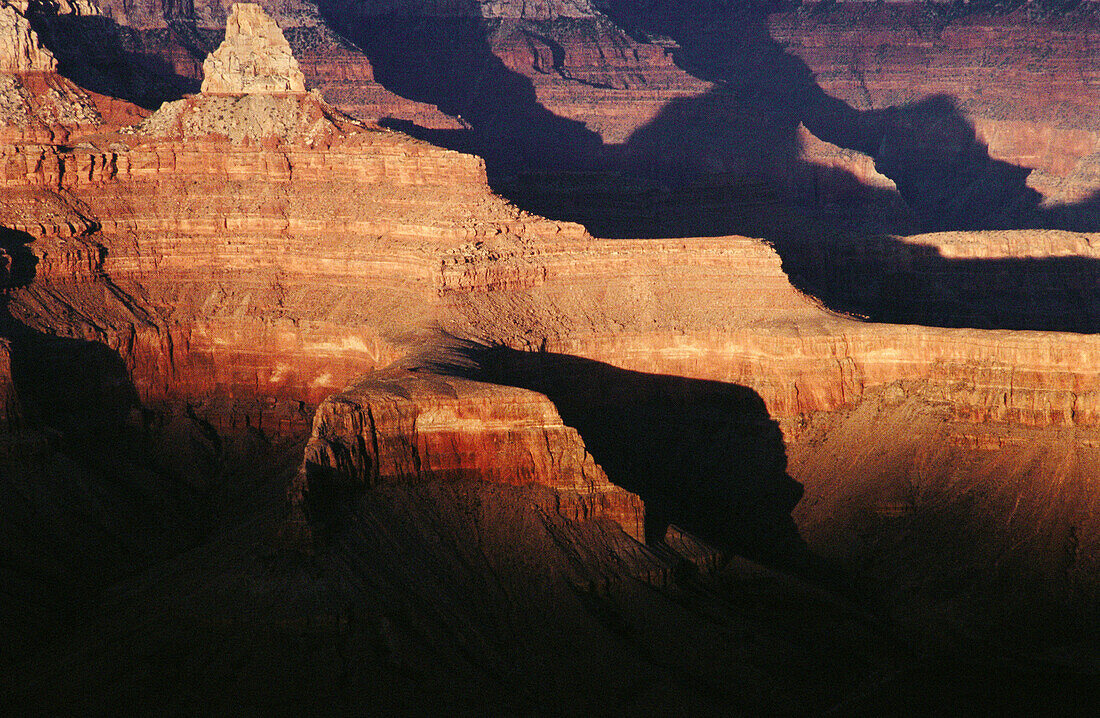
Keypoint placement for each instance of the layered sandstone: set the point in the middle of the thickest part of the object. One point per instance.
(400, 426)
(353, 281)
(990, 65)
(247, 255)
(148, 214)
(395, 264)
(644, 87)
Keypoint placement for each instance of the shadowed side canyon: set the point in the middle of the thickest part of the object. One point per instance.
(96, 485)
(121, 61)
(743, 124)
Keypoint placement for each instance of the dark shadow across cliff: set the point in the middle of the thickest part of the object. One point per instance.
(17, 261)
(704, 456)
(890, 279)
(78, 387)
(928, 148)
(728, 162)
(448, 62)
(139, 66)
(744, 130)
(88, 488)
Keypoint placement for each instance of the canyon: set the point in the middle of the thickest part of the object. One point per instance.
(549, 356)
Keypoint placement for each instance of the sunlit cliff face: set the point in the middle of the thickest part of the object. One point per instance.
(687, 340)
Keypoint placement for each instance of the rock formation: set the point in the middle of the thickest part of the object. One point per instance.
(37, 105)
(506, 438)
(254, 58)
(20, 48)
(424, 428)
(602, 66)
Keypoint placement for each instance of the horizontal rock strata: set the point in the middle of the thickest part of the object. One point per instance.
(240, 268)
(400, 426)
(255, 254)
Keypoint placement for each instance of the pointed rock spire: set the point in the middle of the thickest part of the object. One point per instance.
(254, 58)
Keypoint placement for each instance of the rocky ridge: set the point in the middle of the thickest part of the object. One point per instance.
(501, 276)
(631, 87)
(39, 107)
(396, 426)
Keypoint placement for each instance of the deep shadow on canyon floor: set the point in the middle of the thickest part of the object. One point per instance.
(96, 485)
(378, 626)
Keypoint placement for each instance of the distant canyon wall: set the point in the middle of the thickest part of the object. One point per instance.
(235, 285)
(634, 95)
(242, 256)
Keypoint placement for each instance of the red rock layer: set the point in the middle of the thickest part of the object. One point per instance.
(635, 93)
(404, 426)
(1023, 82)
(257, 254)
(237, 274)
(239, 263)
(230, 272)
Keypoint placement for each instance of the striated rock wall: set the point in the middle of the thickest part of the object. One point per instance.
(1022, 81)
(254, 282)
(20, 48)
(233, 206)
(179, 295)
(401, 426)
(253, 255)
(239, 278)
(644, 92)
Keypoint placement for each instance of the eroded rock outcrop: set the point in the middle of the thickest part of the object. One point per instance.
(253, 58)
(196, 194)
(613, 68)
(20, 48)
(401, 426)
(38, 106)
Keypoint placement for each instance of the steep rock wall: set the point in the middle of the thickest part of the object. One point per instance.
(249, 256)
(401, 426)
(161, 211)
(20, 48)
